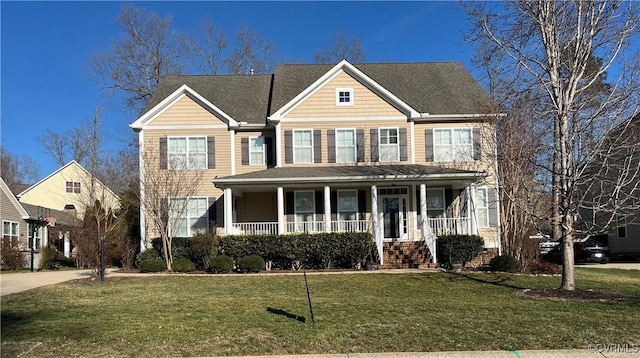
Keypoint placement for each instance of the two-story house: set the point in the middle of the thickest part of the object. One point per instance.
(402, 150)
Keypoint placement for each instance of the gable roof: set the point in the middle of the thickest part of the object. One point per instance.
(71, 163)
(433, 88)
(14, 201)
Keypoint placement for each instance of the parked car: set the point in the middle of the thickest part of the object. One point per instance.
(589, 250)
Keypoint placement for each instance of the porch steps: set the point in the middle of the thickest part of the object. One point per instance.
(403, 255)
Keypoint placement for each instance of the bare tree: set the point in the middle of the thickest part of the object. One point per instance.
(66, 146)
(343, 47)
(209, 46)
(17, 170)
(148, 51)
(550, 46)
(251, 53)
(164, 192)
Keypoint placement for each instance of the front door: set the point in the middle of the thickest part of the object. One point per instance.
(394, 217)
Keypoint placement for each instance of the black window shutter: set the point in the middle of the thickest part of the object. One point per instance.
(448, 200)
(244, 144)
(334, 205)
(163, 153)
(374, 145)
(319, 199)
(331, 145)
(288, 147)
(402, 138)
(220, 211)
(317, 146)
(211, 152)
(476, 144)
(428, 144)
(212, 213)
(268, 144)
(362, 204)
(290, 203)
(492, 199)
(360, 145)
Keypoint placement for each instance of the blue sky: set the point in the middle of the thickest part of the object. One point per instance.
(46, 46)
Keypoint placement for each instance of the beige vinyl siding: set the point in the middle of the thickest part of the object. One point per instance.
(257, 207)
(186, 112)
(363, 124)
(322, 103)
(241, 169)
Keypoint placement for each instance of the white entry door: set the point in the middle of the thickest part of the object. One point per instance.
(394, 218)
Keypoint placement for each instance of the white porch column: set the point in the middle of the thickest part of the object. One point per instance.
(327, 209)
(67, 244)
(468, 213)
(228, 211)
(375, 222)
(427, 233)
(474, 217)
(280, 195)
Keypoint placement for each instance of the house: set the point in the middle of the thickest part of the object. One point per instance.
(27, 226)
(402, 150)
(70, 188)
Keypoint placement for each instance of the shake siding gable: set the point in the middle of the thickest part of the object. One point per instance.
(185, 111)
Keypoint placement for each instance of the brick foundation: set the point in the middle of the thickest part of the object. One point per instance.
(411, 254)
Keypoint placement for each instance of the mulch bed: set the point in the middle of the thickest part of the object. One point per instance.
(575, 295)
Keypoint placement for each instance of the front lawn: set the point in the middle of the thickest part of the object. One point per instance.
(255, 315)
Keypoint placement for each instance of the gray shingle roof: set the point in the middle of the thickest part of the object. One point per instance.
(62, 217)
(434, 88)
(360, 173)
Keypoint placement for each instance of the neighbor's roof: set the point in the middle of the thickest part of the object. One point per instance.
(61, 217)
(352, 173)
(436, 88)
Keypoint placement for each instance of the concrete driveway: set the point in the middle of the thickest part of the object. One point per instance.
(18, 282)
(612, 265)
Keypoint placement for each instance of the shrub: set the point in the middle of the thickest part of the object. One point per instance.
(48, 257)
(147, 254)
(458, 249)
(152, 265)
(183, 265)
(10, 257)
(222, 263)
(251, 263)
(544, 268)
(203, 247)
(504, 263)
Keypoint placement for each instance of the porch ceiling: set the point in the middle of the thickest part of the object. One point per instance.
(359, 174)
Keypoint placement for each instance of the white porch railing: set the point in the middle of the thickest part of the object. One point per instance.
(351, 226)
(259, 228)
(450, 226)
(305, 226)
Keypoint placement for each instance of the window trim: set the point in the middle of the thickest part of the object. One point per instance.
(13, 239)
(186, 153)
(73, 187)
(173, 219)
(380, 145)
(294, 147)
(621, 219)
(355, 145)
(444, 202)
(251, 151)
(453, 145)
(338, 196)
(478, 207)
(295, 206)
(345, 90)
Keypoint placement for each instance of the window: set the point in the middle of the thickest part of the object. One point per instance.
(622, 226)
(10, 232)
(452, 145)
(303, 146)
(482, 207)
(256, 151)
(389, 147)
(187, 152)
(38, 236)
(435, 203)
(347, 205)
(305, 210)
(344, 96)
(345, 145)
(188, 216)
(73, 187)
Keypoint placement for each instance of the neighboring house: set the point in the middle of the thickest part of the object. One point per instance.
(402, 150)
(22, 222)
(70, 188)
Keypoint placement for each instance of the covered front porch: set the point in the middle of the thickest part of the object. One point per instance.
(396, 203)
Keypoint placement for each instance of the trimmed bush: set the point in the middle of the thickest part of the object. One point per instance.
(10, 257)
(48, 257)
(183, 265)
(458, 249)
(251, 263)
(152, 265)
(504, 263)
(147, 254)
(222, 263)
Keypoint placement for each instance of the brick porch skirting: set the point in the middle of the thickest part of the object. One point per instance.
(407, 254)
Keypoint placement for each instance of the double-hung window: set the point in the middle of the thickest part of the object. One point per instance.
(621, 221)
(10, 232)
(37, 238)
(345, 145)
(452, 145)
(482, 207)
(73, 187)
(303, 146)
(256, 151)
(305, 210)
(435, 203)
(187, 152)
(188, 216)
(389, 146)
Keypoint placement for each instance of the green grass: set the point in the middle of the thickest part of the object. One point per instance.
(212, 315)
